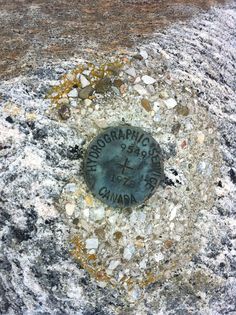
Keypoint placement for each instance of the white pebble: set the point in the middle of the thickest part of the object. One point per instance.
(86, 72)
(148, 80)
(97, 107)
(87, 102)
(173, 213)
(158, 257)
(73, 102)
(73, 93)
(170, 103)
(157, 117)
(113, 264)
(140, 89)
(143, 264)
(91, 243)
(70, 208)
(137, 80)
(144, 54)
(200, 137)
(128, 252)
(84, 81)
(71, 187)
(131, 72)
(98, 214)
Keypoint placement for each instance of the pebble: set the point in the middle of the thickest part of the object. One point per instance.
(157, 117)
(138, 57)
(137, 80)
(63, 101)
(148, 80)
(182, 110)
(71, 187)
(143, 264)
(98, 214)
(64, 112)
(115, 90)
(128, 252)
(84, 81)
(146, 104)
(114, 264)
(123, 89)
(70, 208)
(131, 72)
(144, 54)
(73, 93)
(91, 243)
(151, 90)
(103, 85)
(87, 102)
(86, 72)
(117, 83)
(140, 89)
(170, 103)
(175, 128)
(86, 92)
(73, 102)
(163, 94)
(200, 137)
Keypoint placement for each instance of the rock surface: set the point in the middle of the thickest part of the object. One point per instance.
(63, 251)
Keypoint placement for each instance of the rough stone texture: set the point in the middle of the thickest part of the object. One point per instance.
(40, 155)
(42, 30)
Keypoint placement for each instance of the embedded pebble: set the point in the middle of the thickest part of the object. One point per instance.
(146, 104)
(97, 214)
(131, 72)
(86, 92)
(70, 208)
(163, 94)
(128, 252)
(73, 93)
(73, 102)
(148, 80)
(84, 81)
(144, 54)
(170, 103)
(140, 89)
(71, 187)
(91, 243)
(137, 80)
(64, 101)
(200, 137)
(64, 112)
(113, 264)
(87, 102)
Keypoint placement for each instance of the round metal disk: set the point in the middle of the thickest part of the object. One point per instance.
(123, 166)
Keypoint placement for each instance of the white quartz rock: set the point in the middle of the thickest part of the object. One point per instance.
(84, 81)
(113, 264)
(144, 54)
(97, 214)
(170, 103)
(129, 251)
(91, 243)
(140, 89)
(148, 80)
(131, 72)
(73, 93)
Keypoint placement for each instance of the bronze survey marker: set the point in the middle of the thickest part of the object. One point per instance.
(123, 166)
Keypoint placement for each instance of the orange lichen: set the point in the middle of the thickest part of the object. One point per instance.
(71, 80)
